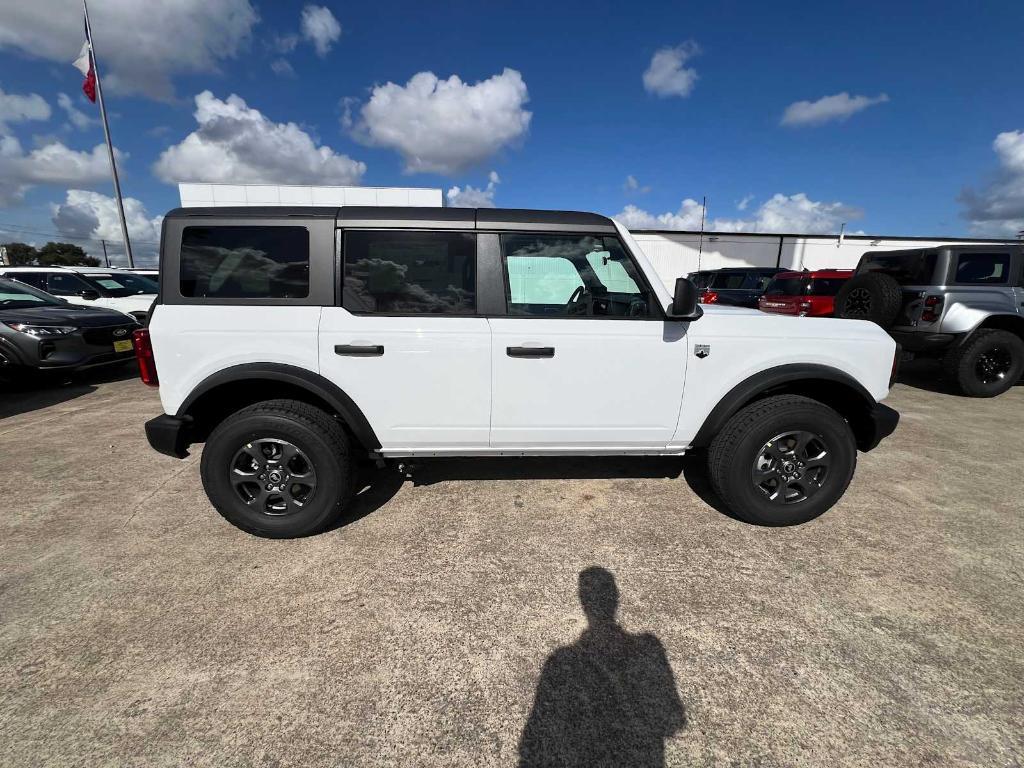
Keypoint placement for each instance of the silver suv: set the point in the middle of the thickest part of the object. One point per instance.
(962, 303)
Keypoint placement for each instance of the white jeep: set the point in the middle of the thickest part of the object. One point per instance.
(295, 342)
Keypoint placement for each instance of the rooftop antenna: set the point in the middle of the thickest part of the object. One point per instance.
(842, 234)
(700, 242)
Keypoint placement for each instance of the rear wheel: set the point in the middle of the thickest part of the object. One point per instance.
(279, 469)
(987, 364)
(783, 460)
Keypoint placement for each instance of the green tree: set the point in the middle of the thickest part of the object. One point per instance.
(65, 255)
(21, 254)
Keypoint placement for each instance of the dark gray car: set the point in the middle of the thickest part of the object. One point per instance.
(39, 332)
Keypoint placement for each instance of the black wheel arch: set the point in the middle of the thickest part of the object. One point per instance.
(827, 385)
(239, 386)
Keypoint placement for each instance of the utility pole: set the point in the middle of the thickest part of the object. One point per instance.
(106, 134)
(106, 259)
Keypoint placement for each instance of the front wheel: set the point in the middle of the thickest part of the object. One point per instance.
(783, 460)
(279, 469)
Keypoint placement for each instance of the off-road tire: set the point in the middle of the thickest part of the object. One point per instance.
(734, 450)
(963, 362)
(315, 433)
(872, 296)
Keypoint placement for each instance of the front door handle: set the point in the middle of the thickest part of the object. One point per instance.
(359, 350)
(530, 351)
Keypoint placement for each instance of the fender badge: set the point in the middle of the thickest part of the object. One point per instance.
(702, 350)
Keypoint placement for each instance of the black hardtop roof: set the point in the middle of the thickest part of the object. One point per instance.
(958, 247)
(409, 216)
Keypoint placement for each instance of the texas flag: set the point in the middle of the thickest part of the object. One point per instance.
(84, 65)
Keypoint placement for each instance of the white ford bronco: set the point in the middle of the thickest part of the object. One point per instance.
(296, 342)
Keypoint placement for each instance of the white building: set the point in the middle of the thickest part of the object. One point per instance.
(210, 195)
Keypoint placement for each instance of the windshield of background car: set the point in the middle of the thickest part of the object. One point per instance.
(786, 286)
(16, 296)
(915, 268)
(121, 285)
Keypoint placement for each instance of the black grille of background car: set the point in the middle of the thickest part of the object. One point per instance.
(108, 335)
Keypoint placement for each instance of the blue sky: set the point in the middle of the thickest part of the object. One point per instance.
(938, 84)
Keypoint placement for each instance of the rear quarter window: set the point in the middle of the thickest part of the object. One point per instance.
(245, 262)
(915, 268)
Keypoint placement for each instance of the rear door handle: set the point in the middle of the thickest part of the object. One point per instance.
(359, 350)
(530, 351)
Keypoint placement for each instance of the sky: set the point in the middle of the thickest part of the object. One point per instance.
(893, 118)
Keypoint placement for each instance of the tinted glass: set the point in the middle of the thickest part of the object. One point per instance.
(914, 268)
(757, 281)
(982, 267)
(786, 286)
(66, 284)
(571, 275)
(245, 262)
(410, 272)
(35, 279)
(701, 279)
(826, 286)
(728, 280)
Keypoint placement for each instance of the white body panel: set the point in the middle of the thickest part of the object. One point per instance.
(429, 391)
(138, 303)
(612, 384)
(193, 342)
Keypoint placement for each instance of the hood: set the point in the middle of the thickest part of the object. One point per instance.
(71, 314)
(727, 309)
(140, 302)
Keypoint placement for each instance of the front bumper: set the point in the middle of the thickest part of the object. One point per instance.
(170, 435)
(880, 422)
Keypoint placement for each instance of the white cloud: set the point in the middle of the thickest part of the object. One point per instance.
(320, 28)
(471, 197)
(744, 202)
(142, 44)
(86, 214)
(632, 186)
(52, 164)
(281, 66)
(828, 108)
(997, 209)
(781, 213)
(238, 144)
(445, 126)
(78, 118)
(666, 76)
(16, 108)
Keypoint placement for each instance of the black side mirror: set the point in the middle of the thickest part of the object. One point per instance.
(90, 295)
(684, 301)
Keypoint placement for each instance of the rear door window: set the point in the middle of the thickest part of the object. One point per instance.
(983, 268)
(404, 272)
(245, 262)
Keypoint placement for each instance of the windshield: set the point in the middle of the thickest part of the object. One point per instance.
(908, 268)
(120, 285)
(17, 296)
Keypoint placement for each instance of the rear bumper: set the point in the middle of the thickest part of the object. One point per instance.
(170, 435)
(881, 422)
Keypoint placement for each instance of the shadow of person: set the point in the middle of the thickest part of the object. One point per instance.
(609, 699)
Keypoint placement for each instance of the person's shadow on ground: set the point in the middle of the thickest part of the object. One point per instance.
(609, 699)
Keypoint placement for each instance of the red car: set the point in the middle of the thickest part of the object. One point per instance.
(804, 293)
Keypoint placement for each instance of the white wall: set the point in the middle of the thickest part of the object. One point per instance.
(675, 254)
(205, 195)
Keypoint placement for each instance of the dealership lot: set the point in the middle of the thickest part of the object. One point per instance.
(136, 626)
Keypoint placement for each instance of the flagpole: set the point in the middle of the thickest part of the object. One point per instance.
(106, 134)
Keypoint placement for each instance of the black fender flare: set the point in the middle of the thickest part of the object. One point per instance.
(763, 382)
(313, 383)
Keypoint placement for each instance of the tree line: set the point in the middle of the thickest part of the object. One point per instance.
(51, 254)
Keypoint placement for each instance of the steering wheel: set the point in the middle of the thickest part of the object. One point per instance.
(575, 306)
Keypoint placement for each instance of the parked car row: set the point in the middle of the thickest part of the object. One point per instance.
(118, 289)
(961, 304)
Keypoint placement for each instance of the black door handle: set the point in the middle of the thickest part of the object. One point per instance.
(359, 350)
(530, 351)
